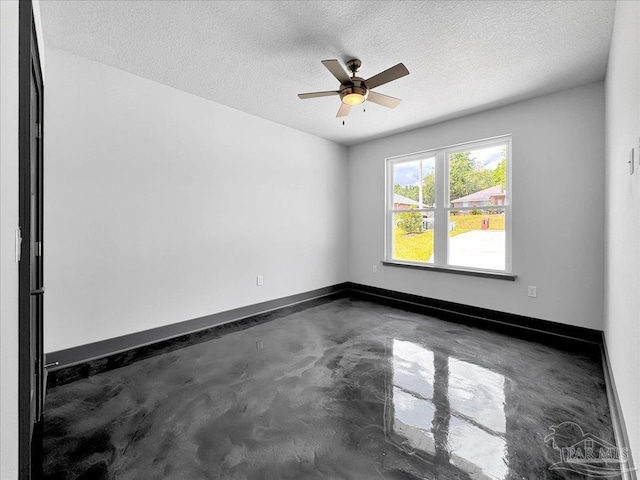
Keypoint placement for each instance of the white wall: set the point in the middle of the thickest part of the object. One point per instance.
(162, 207)
(622, 262)
(557, 178)
(8, 226)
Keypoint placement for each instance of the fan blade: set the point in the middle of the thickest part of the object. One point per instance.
(387, 76)
(344, 110)
(336, 69)
(319, 94)
(384, 100)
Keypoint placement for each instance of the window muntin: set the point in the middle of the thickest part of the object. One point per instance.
(451, 208)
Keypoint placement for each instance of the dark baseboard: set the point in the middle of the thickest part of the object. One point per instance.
(567, 337)
(84, 360)
(617, 418)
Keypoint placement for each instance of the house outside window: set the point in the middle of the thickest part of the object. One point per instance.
(451, 207)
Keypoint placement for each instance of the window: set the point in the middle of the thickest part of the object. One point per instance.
(451, 207)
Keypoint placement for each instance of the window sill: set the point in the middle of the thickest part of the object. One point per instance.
(458, 271)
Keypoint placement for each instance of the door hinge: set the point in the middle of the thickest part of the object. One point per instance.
(38, 249)
(38, 130)
(18, 244)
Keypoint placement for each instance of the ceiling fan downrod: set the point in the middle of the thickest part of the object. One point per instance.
(354, 65)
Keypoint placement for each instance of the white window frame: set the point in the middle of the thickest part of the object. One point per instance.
(442, 207)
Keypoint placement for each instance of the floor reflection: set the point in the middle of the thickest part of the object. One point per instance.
(447, 411)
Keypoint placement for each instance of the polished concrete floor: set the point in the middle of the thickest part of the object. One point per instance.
(345, 389)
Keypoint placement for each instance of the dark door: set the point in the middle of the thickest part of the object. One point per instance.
(36, 279)
(31, 289)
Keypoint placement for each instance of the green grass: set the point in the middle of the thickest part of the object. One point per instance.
(418, 247)
(466, 223)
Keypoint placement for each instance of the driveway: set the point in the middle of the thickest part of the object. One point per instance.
(478, 249)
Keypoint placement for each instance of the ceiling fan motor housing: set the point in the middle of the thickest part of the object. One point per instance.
(357, 87)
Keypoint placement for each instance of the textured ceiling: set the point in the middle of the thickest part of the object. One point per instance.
(464, 56)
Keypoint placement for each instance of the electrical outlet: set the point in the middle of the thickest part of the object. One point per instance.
(532, 291)
(259, 280)
(375, 269)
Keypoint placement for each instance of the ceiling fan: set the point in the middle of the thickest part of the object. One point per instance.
(355, 90)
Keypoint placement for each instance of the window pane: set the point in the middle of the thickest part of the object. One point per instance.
(413, 236)
(477, 177)
(414, 184)
(477, 239)
(428, 171)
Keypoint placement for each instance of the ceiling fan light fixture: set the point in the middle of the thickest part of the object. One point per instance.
(353, 99)
(353, 94)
